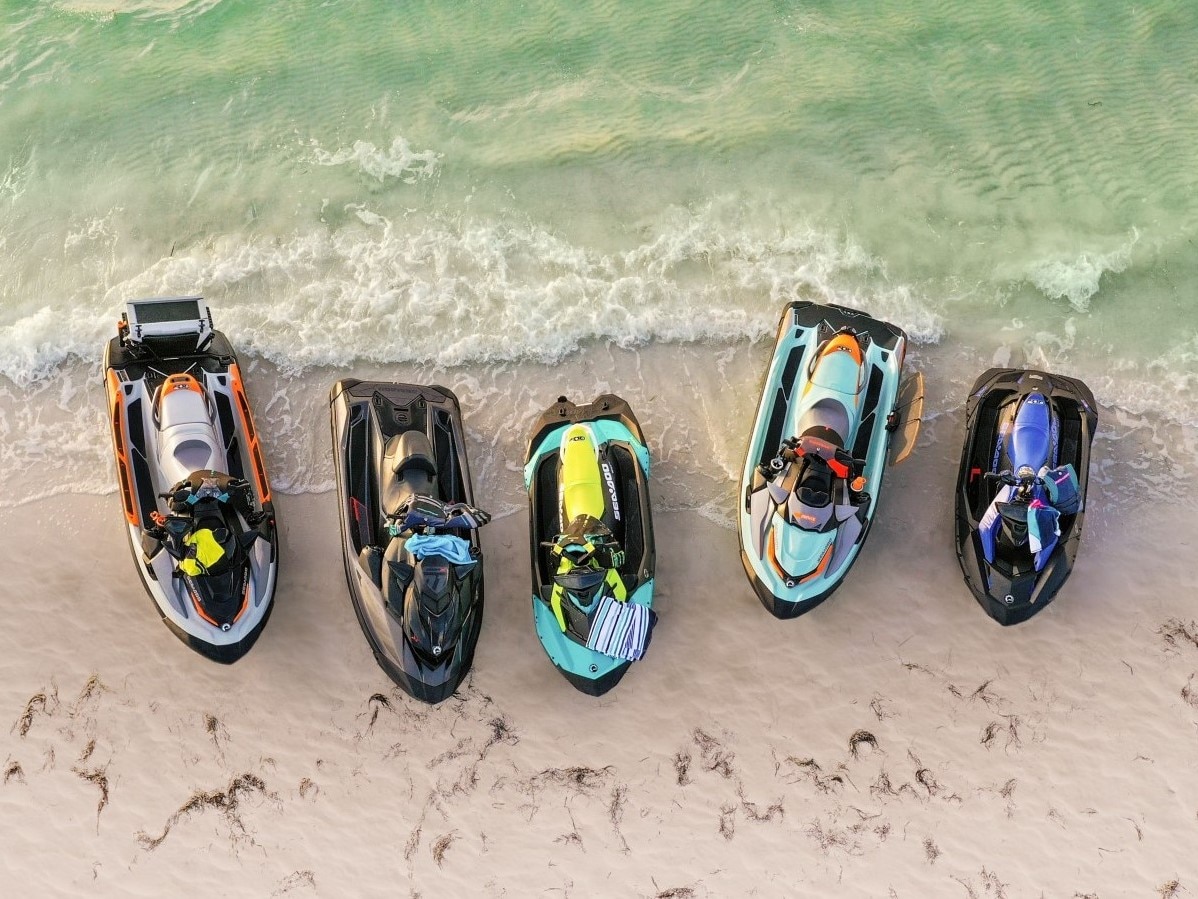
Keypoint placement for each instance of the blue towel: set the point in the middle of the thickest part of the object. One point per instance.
(621, 630)
(1063, 490)
(452, 549)
(1042, 531)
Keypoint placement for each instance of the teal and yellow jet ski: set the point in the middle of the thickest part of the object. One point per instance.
(832, 414)
(587, 476)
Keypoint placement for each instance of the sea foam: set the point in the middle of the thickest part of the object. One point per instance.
(460, 291)
(1078, 279)
(397, 161)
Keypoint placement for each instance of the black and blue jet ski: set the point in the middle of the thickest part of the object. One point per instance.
(197, 502)
(834, 413)
(1021, 490)
(409, 530)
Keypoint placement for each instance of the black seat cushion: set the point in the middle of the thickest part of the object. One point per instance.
(815, 484)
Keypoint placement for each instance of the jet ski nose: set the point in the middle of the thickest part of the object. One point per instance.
(838, 365)
(842, 343)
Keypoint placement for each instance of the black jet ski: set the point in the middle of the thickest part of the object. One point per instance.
(409, 530)
(196, 498)
(1021, 490)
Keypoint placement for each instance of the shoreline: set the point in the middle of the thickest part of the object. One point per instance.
(696, 403)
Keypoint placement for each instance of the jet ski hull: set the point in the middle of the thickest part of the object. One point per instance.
(1010, 590)
(793, 569)
(136, 374)
(622, 447)
(364, 416)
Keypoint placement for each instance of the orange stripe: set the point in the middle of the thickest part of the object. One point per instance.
(195, 601)
(247, 425)
(845, 343)
(816, 572)
(772, 553)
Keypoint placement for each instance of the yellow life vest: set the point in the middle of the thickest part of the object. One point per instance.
(207, 552)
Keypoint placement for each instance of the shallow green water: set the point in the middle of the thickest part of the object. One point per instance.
(465, 183)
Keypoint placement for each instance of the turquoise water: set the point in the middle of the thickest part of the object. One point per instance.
(462, 186)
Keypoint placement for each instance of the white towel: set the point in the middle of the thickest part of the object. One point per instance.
(621, 629)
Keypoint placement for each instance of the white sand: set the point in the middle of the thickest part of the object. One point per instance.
(1055, 758)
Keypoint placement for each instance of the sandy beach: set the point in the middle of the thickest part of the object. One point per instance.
(894, 742)
(526, 200)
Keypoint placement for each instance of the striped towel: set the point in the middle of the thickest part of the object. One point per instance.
(621, 629)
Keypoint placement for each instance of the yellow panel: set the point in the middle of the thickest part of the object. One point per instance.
(582, 484)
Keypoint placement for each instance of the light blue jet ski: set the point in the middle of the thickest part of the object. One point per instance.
(832, 415)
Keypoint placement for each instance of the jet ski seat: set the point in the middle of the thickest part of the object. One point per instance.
(409, 456)
(582, 484)
(814, 486)
(411, 449)
(1030, 438)
(828, 420)
(186, 436)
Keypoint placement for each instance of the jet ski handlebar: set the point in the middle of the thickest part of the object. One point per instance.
(1024, 482)
(795, 448)
(1010, 479)
(424, 514)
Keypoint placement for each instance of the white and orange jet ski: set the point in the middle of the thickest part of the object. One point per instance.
(193, 487)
